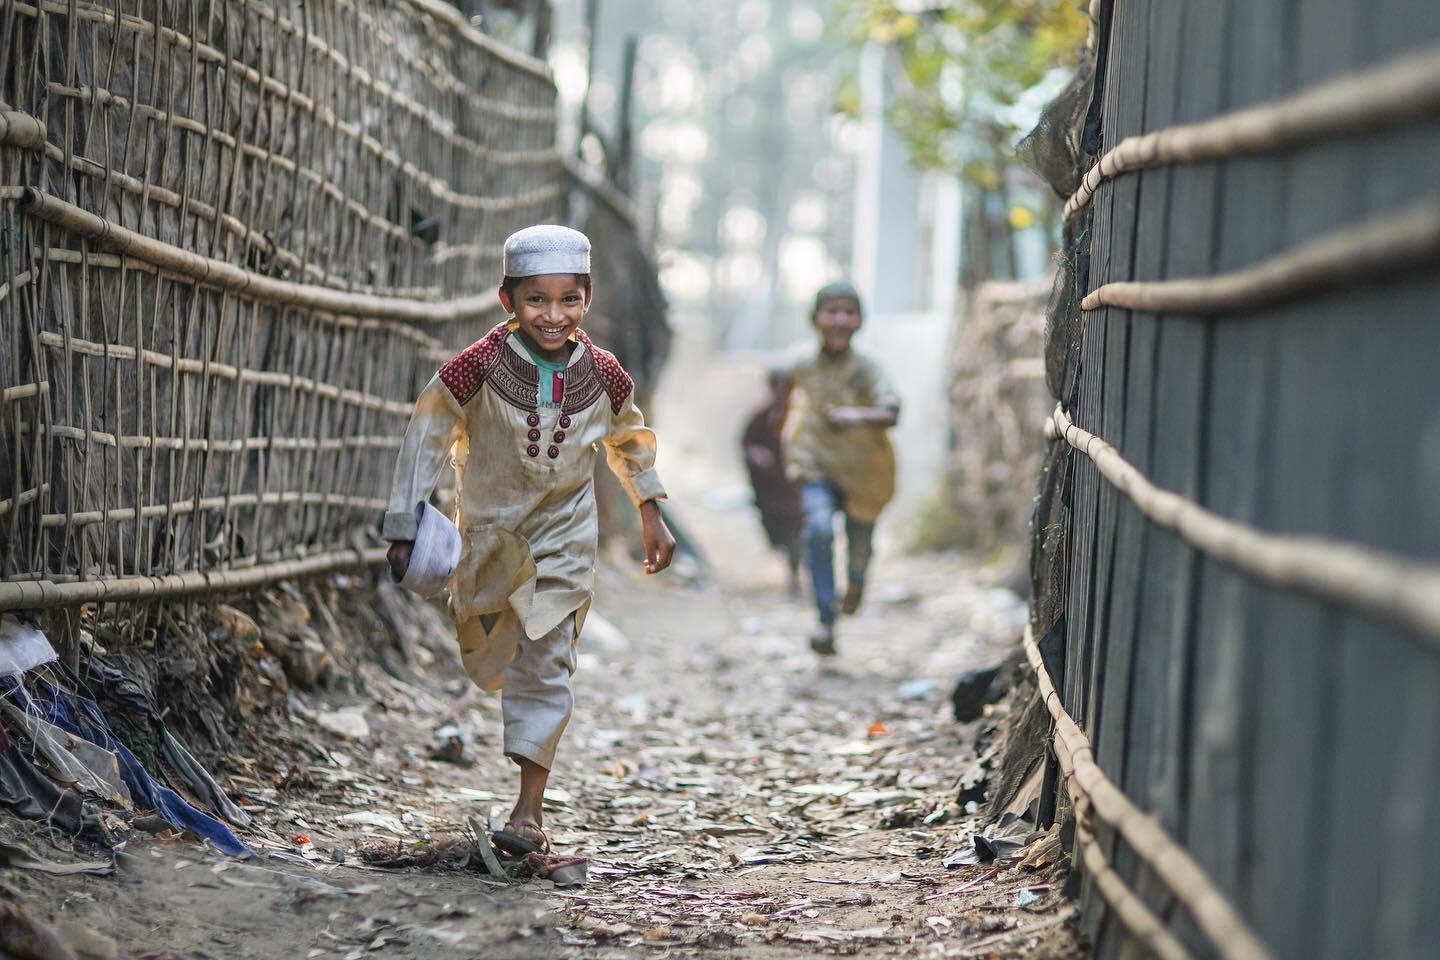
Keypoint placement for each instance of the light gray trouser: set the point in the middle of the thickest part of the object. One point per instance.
(532, 675)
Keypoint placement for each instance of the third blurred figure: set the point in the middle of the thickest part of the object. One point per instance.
(777, 498)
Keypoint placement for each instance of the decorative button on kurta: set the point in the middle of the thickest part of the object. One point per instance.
(533, 450)
(553, 452)
(559, 436)
(564, 422)
(533, 436)
(534, 421)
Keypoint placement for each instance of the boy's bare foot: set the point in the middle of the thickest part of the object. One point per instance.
(822, 641)
(527, 816)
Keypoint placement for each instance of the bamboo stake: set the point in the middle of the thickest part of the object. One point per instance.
(42, 594)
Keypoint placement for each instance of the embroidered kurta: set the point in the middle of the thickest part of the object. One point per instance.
(857, 459)
(525, 502)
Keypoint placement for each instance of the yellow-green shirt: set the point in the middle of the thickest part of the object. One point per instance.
(858, 459)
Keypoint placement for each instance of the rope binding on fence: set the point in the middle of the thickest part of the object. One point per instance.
(1394, 588)
(1091, 790)
(1404, 89)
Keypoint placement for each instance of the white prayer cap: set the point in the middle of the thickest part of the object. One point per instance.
(546, 248)
(435, 554)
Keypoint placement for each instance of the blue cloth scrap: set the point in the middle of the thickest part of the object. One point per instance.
(82, 717)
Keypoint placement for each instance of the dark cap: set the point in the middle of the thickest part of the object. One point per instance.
(839, 290)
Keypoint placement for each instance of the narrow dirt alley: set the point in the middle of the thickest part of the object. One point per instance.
(735, 796)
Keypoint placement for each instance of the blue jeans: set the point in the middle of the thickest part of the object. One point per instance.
(822, 501)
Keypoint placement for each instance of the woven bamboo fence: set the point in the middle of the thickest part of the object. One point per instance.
(235, 239)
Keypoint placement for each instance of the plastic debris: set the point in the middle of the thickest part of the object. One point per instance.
(973, 692)
(17, 856)
(22, 647)
(381, 821)
(917, 689)
(1030, 895)
(349, 723)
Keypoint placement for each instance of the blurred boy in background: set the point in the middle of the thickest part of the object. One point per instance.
(836, 447)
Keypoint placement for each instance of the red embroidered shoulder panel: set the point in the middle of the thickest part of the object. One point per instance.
(467, 370)
(617, 383)
(515, 379)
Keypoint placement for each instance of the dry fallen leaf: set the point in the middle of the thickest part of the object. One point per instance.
(753, 919)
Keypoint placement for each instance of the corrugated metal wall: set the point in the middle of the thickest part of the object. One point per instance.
(1291, 745)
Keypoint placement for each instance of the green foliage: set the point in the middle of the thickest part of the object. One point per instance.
(964, 62)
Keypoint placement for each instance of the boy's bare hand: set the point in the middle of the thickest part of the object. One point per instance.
(844, 417)
(659, 542)
(861, 416)
(399, 557)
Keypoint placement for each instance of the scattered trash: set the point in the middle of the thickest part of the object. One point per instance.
(17, 856)
(1045, 851)
(1004, 841)
(974, 691)
(237, 623)
(452, 852)
(451, 746)
(349, 723)
(601, 634)
(1030, 895)
(656, 835)
(22, 647)
(564, 872)
(92, 770)
(637, 705)
(917, 689)
(827, 936)
(963, 888)
(559, 796)
(855, 748)
(82, 717)
(484, 844)
(22, 935)
(380, 821)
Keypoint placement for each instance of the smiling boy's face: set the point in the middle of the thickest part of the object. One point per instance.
(548, 309)
(837, 319)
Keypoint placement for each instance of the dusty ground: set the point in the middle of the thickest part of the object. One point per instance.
(736, 797)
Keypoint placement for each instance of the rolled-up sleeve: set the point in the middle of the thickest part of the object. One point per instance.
(435, 425)
(630, 452)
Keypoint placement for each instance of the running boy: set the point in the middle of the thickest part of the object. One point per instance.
(521, 412)
(836, 447)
